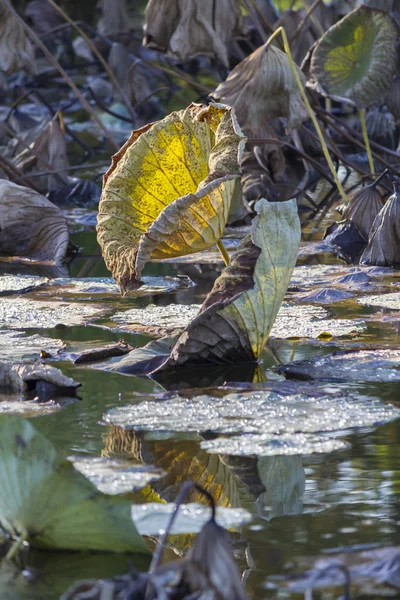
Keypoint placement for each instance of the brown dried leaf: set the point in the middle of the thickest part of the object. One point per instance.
(16, 50)
(262, 87)
(363, 208)
(384, 240)
(192, 28)
(30, 225)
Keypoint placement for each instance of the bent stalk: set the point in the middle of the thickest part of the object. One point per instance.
(310, 111)
(366, 141)
(224, 252)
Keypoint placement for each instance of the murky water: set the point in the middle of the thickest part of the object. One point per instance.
(304, 507)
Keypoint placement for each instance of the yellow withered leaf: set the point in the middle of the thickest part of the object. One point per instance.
(169, 189)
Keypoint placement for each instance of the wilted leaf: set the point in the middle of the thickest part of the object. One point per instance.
(169, 189)
(16, 51)
(47, 502)
(192, 28)
(263, 87)
(39, 378)
(363, 208)
(384, 238)
(355, 59)
(30, 225)
(114, 17)
(46, 151)
(237, 316)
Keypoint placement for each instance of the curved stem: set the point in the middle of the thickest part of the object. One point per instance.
(366, 141)
(223, 251)
(309, 109)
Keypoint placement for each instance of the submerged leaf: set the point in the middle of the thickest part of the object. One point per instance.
(262, 87)
(384, 240)
(355, 59)
(192, 28)
(237, 316)
(30, 225)
(169, 189)
(50, 504)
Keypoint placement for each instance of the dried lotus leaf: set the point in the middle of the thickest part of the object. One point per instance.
(262, 87)
(30, 225)
(16, 50)
(384, 240)
(238, 314)
(355, 60)
(363, 208)
(393, 98)
(169, 190)
(192, 28)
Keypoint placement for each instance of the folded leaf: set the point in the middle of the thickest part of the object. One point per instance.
(363, 208)
(169, 189)
(355, 60)
(44, 499)
(238, 314)
(262, 87)
(384, 240)
(30, 225)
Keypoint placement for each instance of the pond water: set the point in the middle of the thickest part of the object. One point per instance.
(303, 506)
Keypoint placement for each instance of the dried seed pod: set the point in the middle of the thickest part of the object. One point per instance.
(263, 87)
(363, 208)
(384, 240)
(192, 28)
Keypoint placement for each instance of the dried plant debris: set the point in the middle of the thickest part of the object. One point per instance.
(263, 87)
(30, 226)
(42, 381)
(96, 354)
(360, 365)
(363, 208)
(355, 60)
(46, 502)
(384, 239)
(255, 412)
(169, 190)
(373, 572)
(208, 571)
(192, 28)
(237, 316)
(16, 50)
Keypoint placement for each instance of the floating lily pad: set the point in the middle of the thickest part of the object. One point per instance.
(23, 313)
(311, 321)
(152, 518)
(384, 301)
(31, 408)
(114, 476)
(325, 296)
(106, 286)
(13, 284)
(159, 319)
(273, 445)
(256, 412)
(361, 365)
(43, 380)
(16, 346)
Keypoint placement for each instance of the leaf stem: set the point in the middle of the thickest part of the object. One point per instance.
(17, 545)
(223, 251)
(310, 111)
(366, 141)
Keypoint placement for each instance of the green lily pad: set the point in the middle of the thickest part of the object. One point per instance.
(115, 476)
(24, 313)
(273, 445)
(355, 60)
(256, 412)
(152, 518)
(391, 301)
(16, 346)
(17, 284)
